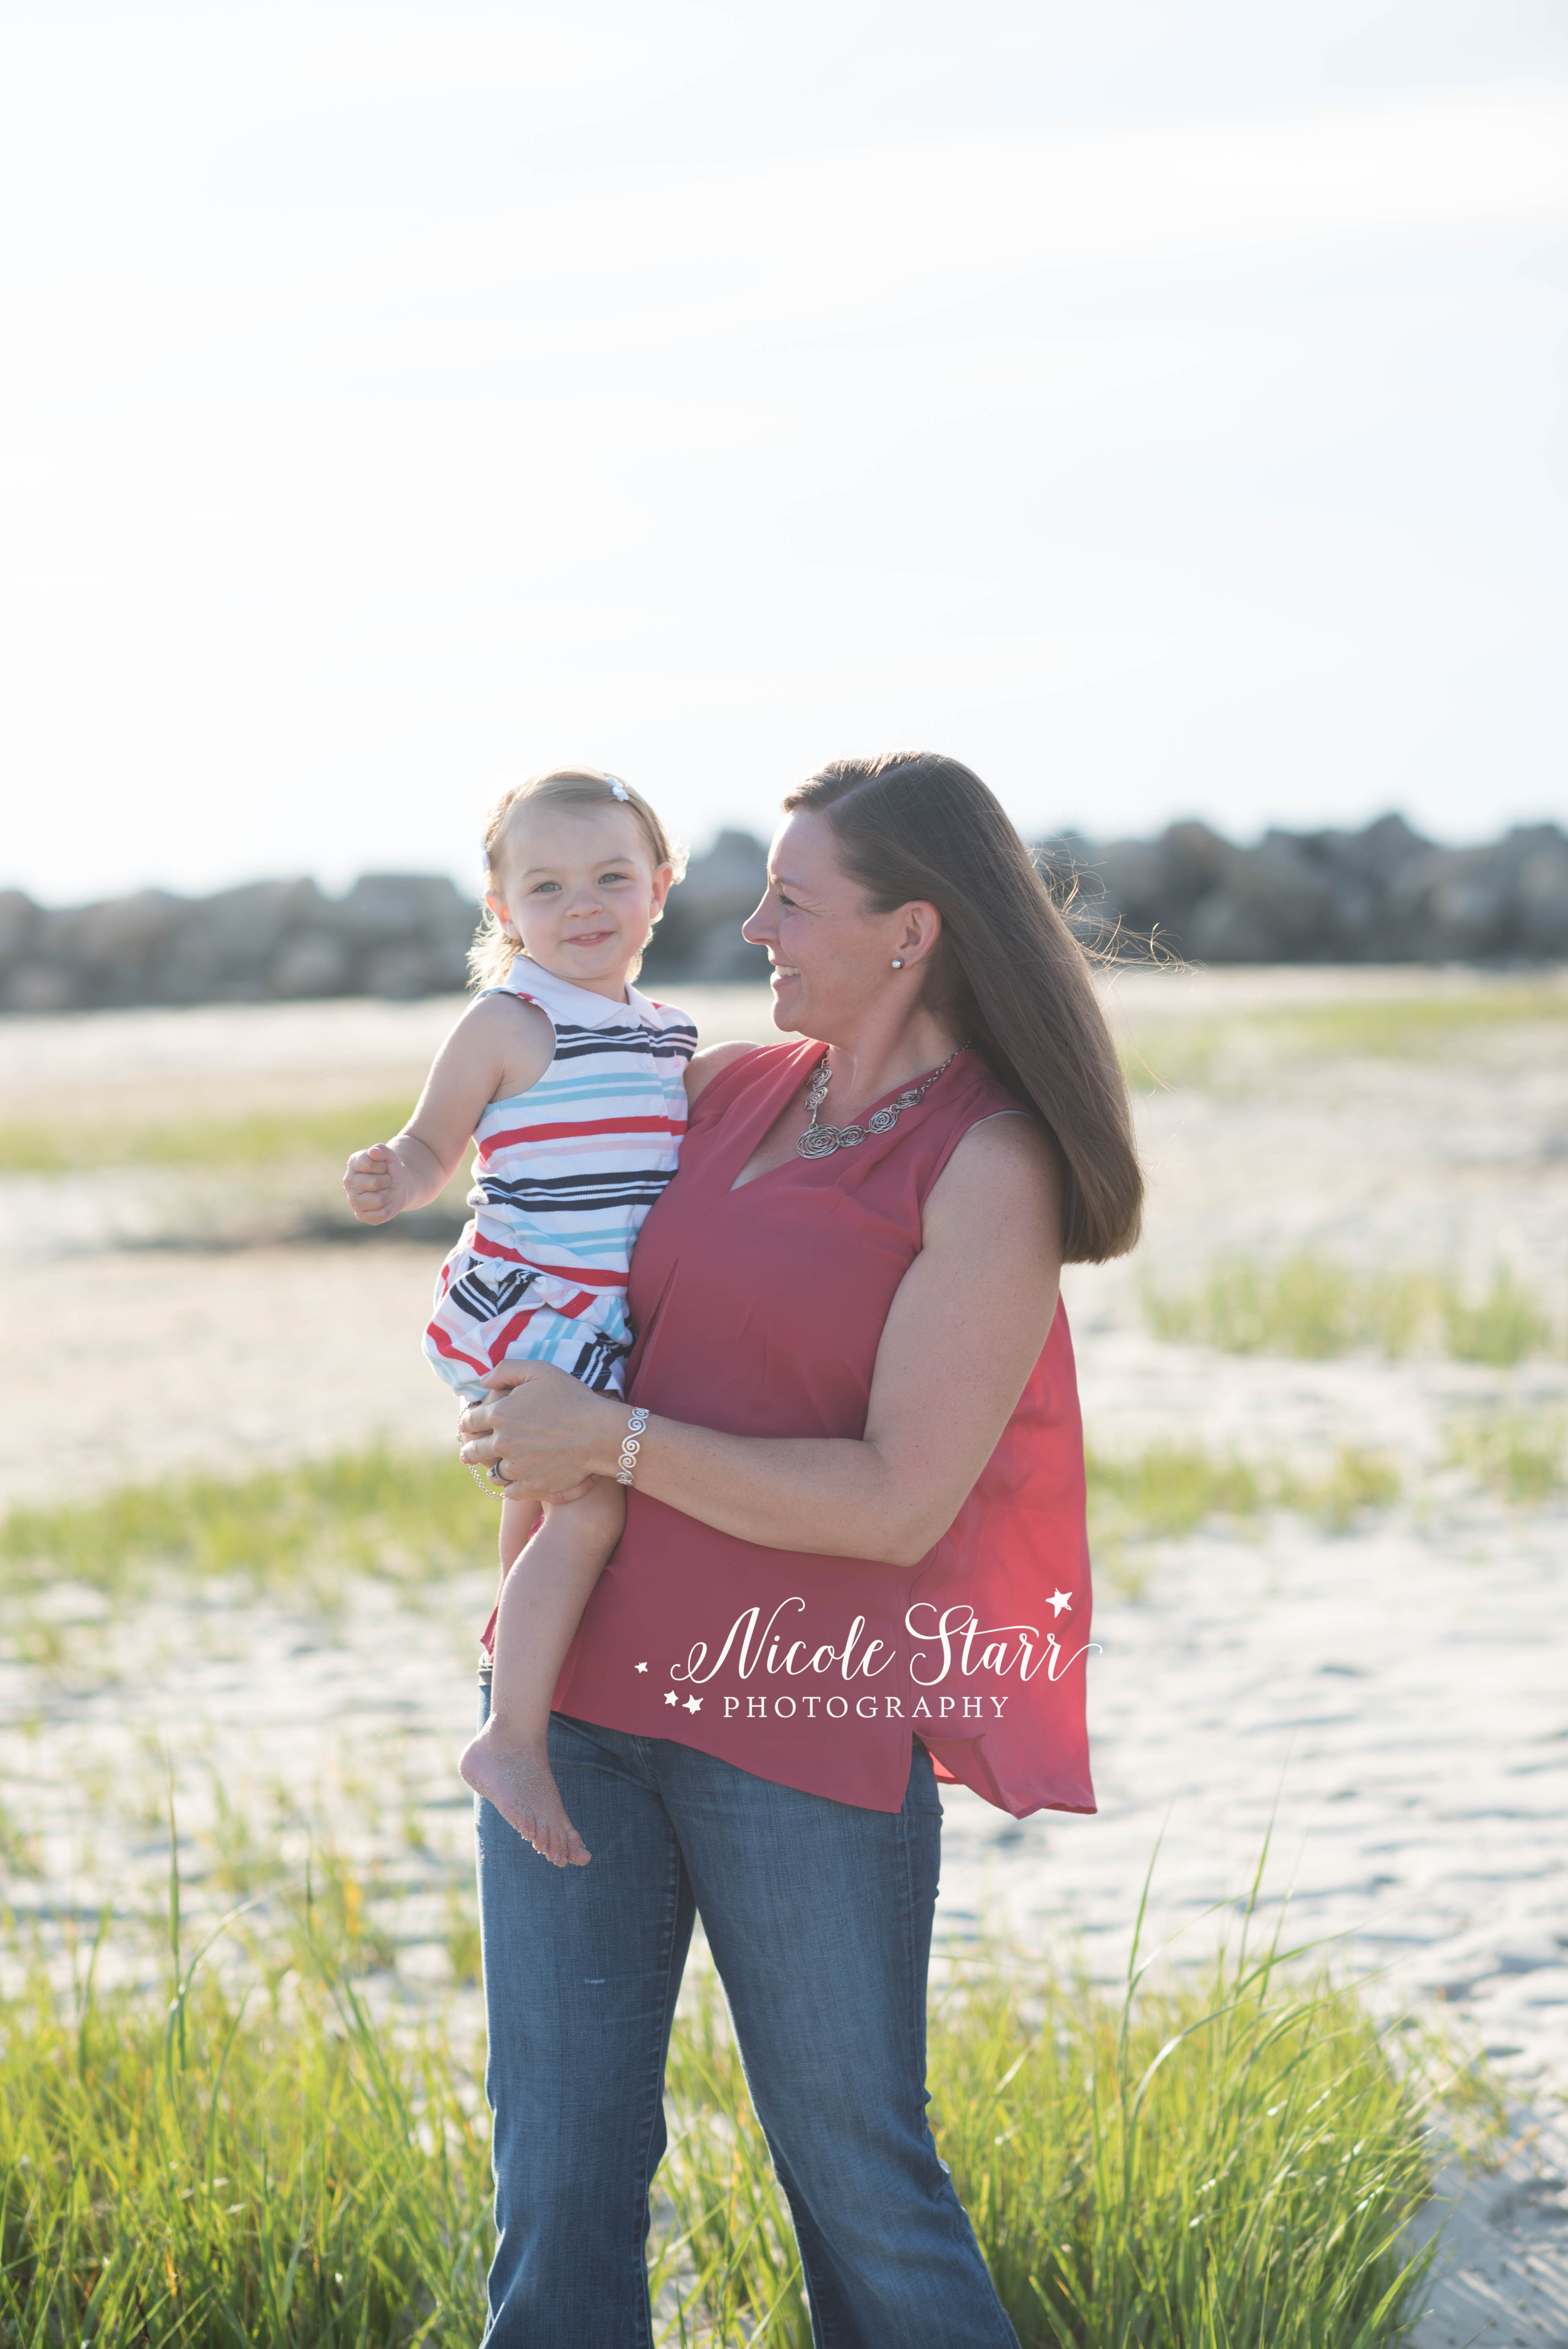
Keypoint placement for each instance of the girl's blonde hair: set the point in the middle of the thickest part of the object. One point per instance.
(493, 952)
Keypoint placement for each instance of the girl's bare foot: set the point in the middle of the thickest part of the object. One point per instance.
(514, 1775)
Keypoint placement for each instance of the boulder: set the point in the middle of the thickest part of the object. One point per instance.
(112, 947)
(400, 905)
(44, 987)
(1380, 852)
(1288, 892)
(412, 932)
(1130, 894)
(224, 949)
(1125, 888)
(1359, 869)
(19, 919)
(311, 962)
(1222, 929)
(699, 932)
(1452, 903)
(403, 973)
(1541, 890)
(1194, 859)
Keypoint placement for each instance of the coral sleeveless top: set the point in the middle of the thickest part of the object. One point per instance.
(759, 1312)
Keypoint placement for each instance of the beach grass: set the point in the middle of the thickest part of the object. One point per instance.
(304, 1533)
(224, 2168)
(1502, 1326)
(1168, 1491)
(1315, 1309)
(256, 1138)
(259, 2156)
(1232, 1052)
(1227, 2160)
(1522, 1455)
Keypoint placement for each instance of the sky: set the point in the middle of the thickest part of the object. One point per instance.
(1156, 406)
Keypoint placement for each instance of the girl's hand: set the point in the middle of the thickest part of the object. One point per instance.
(548, 1432)
(377, 1184)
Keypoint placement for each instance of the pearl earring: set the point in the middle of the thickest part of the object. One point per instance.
(898, 962)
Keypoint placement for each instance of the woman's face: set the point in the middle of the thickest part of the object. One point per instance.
(831, 955)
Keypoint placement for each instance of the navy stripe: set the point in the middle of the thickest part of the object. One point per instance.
(575, 1027)
(481, 1302)
(573, 1190)
(595, 1365)
(597, 1201)
(594, 1043)
(572, 1040)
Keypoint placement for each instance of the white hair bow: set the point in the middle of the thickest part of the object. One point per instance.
(618, 787)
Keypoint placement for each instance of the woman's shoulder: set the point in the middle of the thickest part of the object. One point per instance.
(998, 1155)
(721, 1074)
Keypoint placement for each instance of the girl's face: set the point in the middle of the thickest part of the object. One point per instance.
(831, 955)
(580, 887)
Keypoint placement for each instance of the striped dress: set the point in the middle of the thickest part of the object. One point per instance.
(564, 1175)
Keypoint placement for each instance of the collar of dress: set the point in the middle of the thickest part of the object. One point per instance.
(579, 1004)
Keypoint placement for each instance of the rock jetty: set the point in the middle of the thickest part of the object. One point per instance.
(1382, 894)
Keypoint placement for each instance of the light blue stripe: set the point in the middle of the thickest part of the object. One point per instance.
(594, 1248)
(618, 1088)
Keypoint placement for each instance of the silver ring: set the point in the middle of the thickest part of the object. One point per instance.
(493, 1472)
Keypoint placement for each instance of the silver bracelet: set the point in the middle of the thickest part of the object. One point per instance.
(625, 1467)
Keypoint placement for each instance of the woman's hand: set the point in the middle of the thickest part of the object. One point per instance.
(549, 1434)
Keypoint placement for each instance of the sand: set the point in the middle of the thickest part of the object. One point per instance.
(1394, 1700)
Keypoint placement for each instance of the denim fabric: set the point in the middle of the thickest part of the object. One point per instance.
(819, 1915)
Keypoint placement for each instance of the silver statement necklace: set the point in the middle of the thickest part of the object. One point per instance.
(821, 1140)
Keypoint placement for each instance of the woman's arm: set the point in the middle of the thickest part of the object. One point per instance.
(498, 1047)
(965, 1329)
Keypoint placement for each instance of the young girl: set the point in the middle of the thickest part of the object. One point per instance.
(572, 1085)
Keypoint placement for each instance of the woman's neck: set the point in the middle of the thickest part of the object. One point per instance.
(883, 1055)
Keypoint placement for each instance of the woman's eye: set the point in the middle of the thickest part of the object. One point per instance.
(783, 900)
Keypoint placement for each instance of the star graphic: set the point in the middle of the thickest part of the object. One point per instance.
(670, 1697)
(1061, 1599)
(694, 1704)
(641, 1668)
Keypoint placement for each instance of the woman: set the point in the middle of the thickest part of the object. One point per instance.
(853, 1563)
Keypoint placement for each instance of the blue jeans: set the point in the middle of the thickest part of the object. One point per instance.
(819, 1916)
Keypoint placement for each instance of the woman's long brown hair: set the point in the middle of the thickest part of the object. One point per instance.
(1007, 971)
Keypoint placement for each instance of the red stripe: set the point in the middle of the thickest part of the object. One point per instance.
(482, 1247)
(577, 1272)
(572, 1132)
(518, 1321)
(444, 1345)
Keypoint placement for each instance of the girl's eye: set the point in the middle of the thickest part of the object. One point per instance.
(540, 887)
(611, 877)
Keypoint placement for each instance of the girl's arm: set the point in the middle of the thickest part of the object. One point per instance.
(965, 1328)
(501, 1046)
